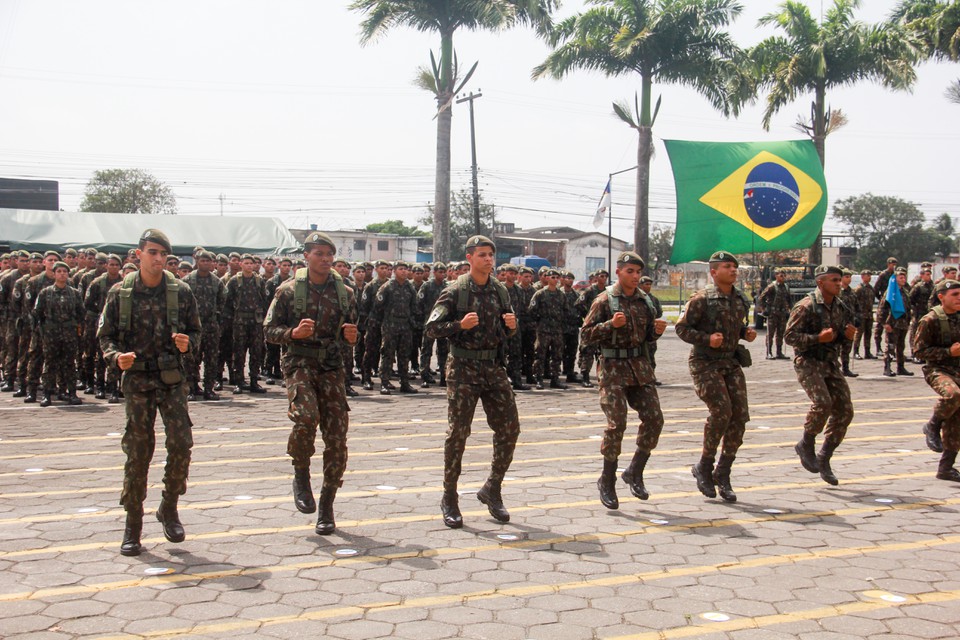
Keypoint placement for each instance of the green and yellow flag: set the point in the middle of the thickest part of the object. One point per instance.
(745, 196)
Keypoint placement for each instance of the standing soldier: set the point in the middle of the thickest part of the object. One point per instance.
(23, 324)
(880, 291)
(311, 315)
(865, 298)
(211, 296)
(34, 351)
(426, 298)
(571, 327)
(920, 294)
(775, 302)
(548, 307)
(514, 344)
(272, 351)
(147, 324)
(949, 273)
(11, 306)
(528, 326)
(394, 309)
(360, 277)
(622, 322)
(849, 299)
(589, 351)
(93, 301)
(475, 314)
(59, 312)
(937, 342)
(246, 301)
(372, 336)
(418, 275)
(895, 328)
(820, 324)
(646, 285)
(714, 323)
(89, 348)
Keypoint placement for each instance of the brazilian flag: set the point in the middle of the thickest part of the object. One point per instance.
(744, 197)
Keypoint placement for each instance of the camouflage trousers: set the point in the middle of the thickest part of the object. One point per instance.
(226, 350)
(845, 348)
(570, 344)
(371, 354)
(359, 349)
(23, 349)
(247, 337)
(863, 333)
(426, 352)
(515, 357)
(776, 325)
(947, 408)
(723, 388)
(549, 347)
(59, 360)
(35, 358)
(11, 355)
(615, 398)
(914, 321)
(895, 345)
(145, 394)
(346, 352)
(271, 359)
(878, 336)
(467, 382)
(830, 402)
(395, 346)
(3, 343)
(528, 334)
(417, 340)
(208, 354)
(318, 399)
(589, 353)
(90, 348)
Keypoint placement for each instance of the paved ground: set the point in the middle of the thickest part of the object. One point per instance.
(877, 557)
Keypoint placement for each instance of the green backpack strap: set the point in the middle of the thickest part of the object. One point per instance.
(300, 296)
(126, 301)
(173, 302)
(342, 299)
(463, 294)
(944, 326)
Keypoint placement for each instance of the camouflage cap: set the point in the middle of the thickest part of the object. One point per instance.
(630, 257)
(197, 249)
(891, 260)
(946, 285)
(203, 254)
(129, 267)
(480, 241)
(526, 269)
(91, 252)
(723, 256)
(847, 272)
(222, 257)
(543, 270)
(439, 266)
(827, 270)
(382, 263)
(866, 272)
(646, 280)
(36, 256)
(901, 271)
(234, 254)
(173, 258)
(368, 265)
(114, 256)
(157, 237)
(318, 237)
(512, 268)
(401, 264)
(551, 272)
(55, 254)
(247, 256)
(286, 259)
(779, 272)
(602, 272)
(23, 253)
(71, 252)
(5, 256)
(102, 257)
(59, 264)
(950, 268)
(926, 265)
(417, 268)
(131, 253)
(342, 261)
(185, 265)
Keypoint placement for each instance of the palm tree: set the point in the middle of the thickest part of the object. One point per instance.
(674, 41)
(445, 17)
(953, 92)
(935, 25)
(813, 57)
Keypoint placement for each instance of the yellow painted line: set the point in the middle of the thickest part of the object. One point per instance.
(522, 481)
(8, 440)
(423, 517)
(377, 454)
(532, 590)
(435, 434)
(760, 622)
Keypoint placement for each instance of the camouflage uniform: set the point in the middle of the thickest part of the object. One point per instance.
(23, 332)
(589, 351)
(865, 297)
(394, 310)
(246, 299)
(775, 300)
(849, 298)
(942, 372)
(528, 331)
(896, 339)
(549, 310)
(571, 334)
(652, 346)
(717, 374)
(474, 373)
(272, 351)
(211, 297)
(426, 298)
(226, 337)
(819, 372)
(89, 349)
(59, 312)
(93, 301)
(370, 324)
(879, 292)
(514, 346)
(35, 348)
(156, 381)
(8, 330)
(313, 371)
(919, 296)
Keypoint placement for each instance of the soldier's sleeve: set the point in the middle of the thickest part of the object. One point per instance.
(883, 311)
(108, 332)
(39, 308)
(926, 343)
(597, 325)
(78, 309)
(277, 327)
(353, 312)
(533, 309)
(440, 324)
(263, 292)
(686, 325)
(379, 303)
(796, 334)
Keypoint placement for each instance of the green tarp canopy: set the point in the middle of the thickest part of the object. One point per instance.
(117, 232)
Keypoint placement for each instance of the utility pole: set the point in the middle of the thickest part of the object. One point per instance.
(473, 156)
(221, 205)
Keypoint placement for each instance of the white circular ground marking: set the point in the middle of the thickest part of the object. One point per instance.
(416, 419)
(595, 437)
(345, 552)
(903, 450)
(243, 497)
(683, 431)
(34, 469)
(113, 434)
(715, 616)
(507, 536)
(158, 571)
(223, 428)
(386, 487)
(660, 522)
(582, 413)
(763, 428)
(884, 500)
(508, 478)
(402, 449)
(772, 511)
(88, 510)
(889, 597)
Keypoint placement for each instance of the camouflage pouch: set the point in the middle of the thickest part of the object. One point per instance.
(742, 356)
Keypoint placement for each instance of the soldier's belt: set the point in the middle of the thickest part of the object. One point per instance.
(473, 354)
(712, 354)
(632, 352)
(155, 364)
(302, 350)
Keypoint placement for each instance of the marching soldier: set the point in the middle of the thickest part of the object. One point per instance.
(775, 302)
(475, 315)
(920, 293)
(211, 296)
(571, 327)
(149, 321)
(714, 323)
(514, 346)
(949, 273)
(311, 315)
(865, 297)
(622, 322)
(820, 324)
(59, 312)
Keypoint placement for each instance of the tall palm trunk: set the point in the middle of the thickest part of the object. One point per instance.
(819, 141)
(441, 209)
(641, 229)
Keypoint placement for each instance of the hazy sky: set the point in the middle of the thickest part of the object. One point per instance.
(277, 106)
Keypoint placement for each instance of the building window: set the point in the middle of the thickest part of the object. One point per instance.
(596, 263)
(383, 245)
(359, 245)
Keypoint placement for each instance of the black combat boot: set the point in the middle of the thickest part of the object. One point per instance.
(586, 381)
(573, 377)
(72, 398)
(703, 472)
(531, 379)
(384, 389)
(209, 393)
(427, 376)
(721, 476)
(303, 492)
(867, 355)
(633, 474)
(114, 393)
(367, 383)
(170, 519)
(770, 354)
(90, 387)
(350, 391)
(518, 385)
(254, 387)
(406, 388)
(902, 371)
(823, 461)
(932, 432)
(781, 355)
(101, 393)
(556, 384)
(325, 521)
(31, 394)
(21, 391)
(8, 385)
(443, 377)
(945, 470)
(450, 509)
(857, 356)
(808, 455)
(539, 383)
(489, 495)
(849, 374)
(131, 532)
(886, 369)
(607, 484)
(46, 398)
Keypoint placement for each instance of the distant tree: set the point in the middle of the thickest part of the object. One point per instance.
(395, 227)
(953, 92)
(661, 245)
(461, 220)
(127, 191)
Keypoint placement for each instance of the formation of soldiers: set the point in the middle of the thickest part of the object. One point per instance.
(159, 321)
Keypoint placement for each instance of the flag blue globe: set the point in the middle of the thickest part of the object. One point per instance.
(771, 195)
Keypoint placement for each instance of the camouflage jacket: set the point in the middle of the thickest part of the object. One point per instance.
(211, 297)
(83, 282)
(444, 320)
(323, 306)
(635, 335)
(31, 290)
(809, 317)
(395, 305)
(775, 299)
(571, 319)
(865, 297)
(9, 310)
(518, 301)
(523, 314)
(710, 311)
(586, 298)
(549, 310)
(246, 300)
(96, 295)
(58, 311)
(850, 299)
(931, 345)
(884, 316)
(274, 283)
(920, 298)
(367, 299)
(427, 297)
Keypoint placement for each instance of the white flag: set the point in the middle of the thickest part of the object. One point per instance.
(603, 208)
